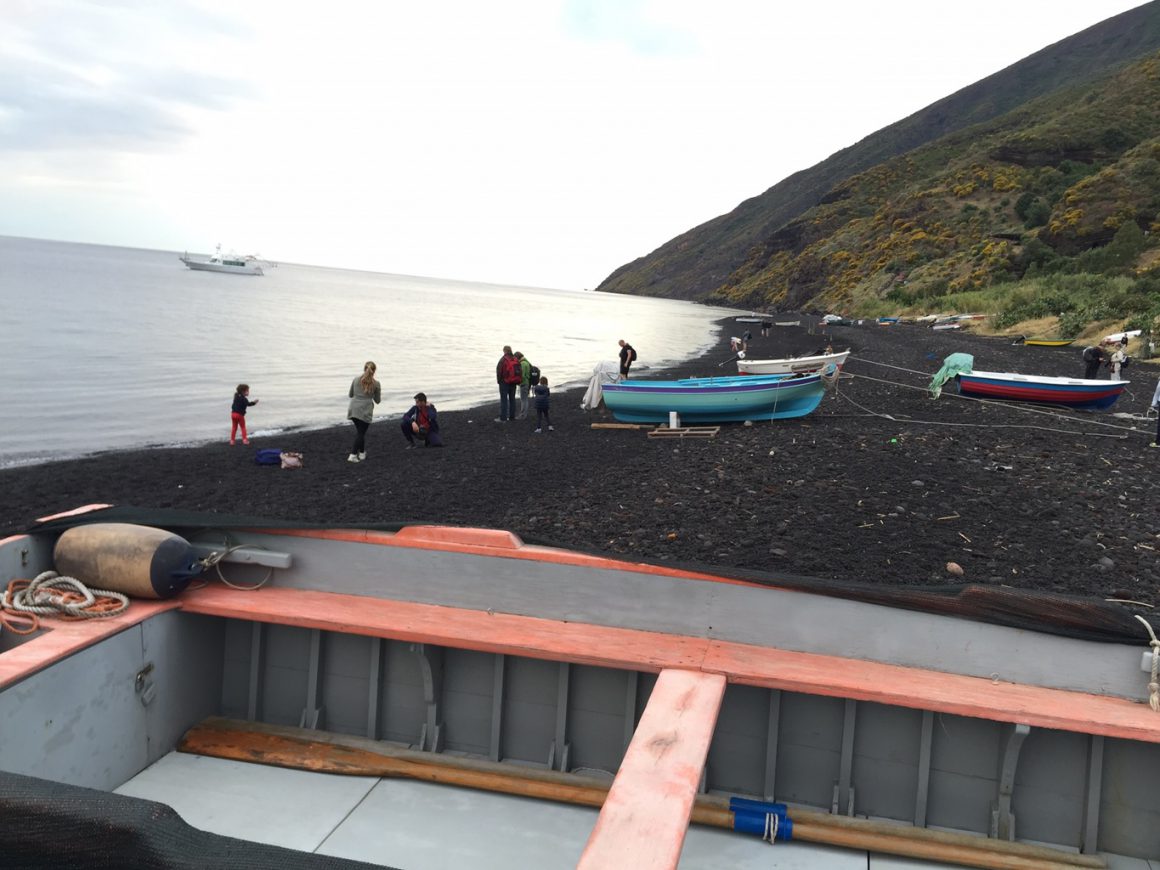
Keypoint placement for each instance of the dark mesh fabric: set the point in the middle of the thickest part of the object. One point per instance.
(49, 825)
(1067, 615)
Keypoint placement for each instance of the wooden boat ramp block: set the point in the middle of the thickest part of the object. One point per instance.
(685, 432)
(646, 814)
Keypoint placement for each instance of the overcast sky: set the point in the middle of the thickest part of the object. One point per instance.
(536, 142)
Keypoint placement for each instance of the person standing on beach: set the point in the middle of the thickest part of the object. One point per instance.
(365, 393)
(238, 413)
(508, 376)
(543, 400)
(422, 422)
(1119, 358)
(627, 357)
(525, 384)
(1093, 355)
(1156, 408)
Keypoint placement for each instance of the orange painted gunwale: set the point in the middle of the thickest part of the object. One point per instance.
(631, 649)
(497, 543)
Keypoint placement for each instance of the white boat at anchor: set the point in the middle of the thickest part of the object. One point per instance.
(791, 365)
(234, 264)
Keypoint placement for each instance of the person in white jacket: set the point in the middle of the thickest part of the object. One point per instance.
(1156, 406)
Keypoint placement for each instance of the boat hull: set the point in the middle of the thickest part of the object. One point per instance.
(1080, 393)
(714, 400)
(1048, 342)
(203, 266)
(790, 365)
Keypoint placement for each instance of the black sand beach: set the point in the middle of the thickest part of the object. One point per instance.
(881, 484)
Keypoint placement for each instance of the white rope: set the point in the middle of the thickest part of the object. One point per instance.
(1154, 683)
(45, 596)
(1014, 405)
(772, 823)
(1011, 405)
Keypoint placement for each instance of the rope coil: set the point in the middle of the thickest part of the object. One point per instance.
(51, 594)
(1154, 682)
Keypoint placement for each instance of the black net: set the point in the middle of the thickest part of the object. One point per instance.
(51, 825)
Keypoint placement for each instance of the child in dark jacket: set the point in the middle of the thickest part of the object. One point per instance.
(238, 413)
(543, 399)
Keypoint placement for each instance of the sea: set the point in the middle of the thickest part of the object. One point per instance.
(108, 348)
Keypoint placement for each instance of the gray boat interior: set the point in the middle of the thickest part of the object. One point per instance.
(101, 716)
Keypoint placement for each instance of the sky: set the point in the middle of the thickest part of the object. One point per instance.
(529, 142)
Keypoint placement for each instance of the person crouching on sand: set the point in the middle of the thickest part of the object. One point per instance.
(365, 393)
(238, 413)
(422, 422)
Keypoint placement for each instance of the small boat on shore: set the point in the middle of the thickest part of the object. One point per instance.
(1046, 342)
(787, 323)
(233, 264)
(731, 399)
(791, 365)
(1079, 393)
(462, 680)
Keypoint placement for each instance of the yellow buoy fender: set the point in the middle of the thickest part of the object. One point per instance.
(139, 561)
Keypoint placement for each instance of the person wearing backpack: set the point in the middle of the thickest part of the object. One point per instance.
(1119, 358)
(627, 357)
(508, 376)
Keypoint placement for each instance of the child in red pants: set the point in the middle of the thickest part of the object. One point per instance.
(238, 413)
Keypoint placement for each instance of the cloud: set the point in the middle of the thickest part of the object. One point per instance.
(81, 75)
(628, 22)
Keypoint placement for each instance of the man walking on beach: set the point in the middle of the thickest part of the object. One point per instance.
(627, 357)
(508, 376)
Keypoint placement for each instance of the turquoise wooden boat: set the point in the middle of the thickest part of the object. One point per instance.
(731, 399)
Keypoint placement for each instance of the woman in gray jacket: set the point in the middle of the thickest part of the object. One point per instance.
(365, 393)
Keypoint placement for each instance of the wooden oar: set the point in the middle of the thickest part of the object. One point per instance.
(343, 754)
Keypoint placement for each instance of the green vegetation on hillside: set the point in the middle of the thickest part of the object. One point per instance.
(1068, 185)
(1041, 180)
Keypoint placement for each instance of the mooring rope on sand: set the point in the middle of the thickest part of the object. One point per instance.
(1014, 406)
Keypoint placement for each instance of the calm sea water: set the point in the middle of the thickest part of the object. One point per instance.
(115, 348)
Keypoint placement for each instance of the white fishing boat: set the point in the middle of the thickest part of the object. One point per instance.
(232, 263)
(425, 696)
(791, 365)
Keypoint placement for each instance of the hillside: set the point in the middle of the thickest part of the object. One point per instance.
(707, 258)
(1067, 184)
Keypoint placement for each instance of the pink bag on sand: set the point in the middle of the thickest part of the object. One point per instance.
(291, 460)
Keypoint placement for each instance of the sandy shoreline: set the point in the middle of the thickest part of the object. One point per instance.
(879, 485)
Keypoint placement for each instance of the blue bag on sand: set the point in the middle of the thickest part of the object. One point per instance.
(268, 456)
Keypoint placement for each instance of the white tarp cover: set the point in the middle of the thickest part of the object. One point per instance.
(607, 372)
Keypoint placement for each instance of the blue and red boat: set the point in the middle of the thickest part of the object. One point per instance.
(1081, 393)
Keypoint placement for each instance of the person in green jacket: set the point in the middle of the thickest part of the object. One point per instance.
(525, 385)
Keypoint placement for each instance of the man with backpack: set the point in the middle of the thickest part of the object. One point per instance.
(508, 375)
(529, 377)
(627, 357)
